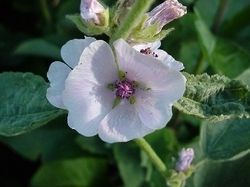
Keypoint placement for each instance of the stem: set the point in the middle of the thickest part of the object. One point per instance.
(199, 64)
(219, 15)
(45, 11)
(132, 18)
(144, 145)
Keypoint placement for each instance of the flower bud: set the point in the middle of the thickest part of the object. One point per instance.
(186, 156)
(165, 13)
(93, 11)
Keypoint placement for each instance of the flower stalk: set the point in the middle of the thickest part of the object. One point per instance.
(161, 167)
(131, 20)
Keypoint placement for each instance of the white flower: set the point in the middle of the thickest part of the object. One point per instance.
(58, 71)
(166, 12)
(151, 49)
(186, 157)
(147, 93)
(91, 10)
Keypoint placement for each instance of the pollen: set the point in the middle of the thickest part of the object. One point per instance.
(148, 51)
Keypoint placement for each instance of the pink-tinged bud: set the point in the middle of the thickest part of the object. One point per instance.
(186, 156)
(92, 10)
(165, 13)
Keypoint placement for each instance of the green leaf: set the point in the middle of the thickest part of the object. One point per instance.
(224, 140)
(229, 174)
(23, 105)
(38, 47)
(224, 56)
(93, 145)
(84, 172)
(60, 142)
(128, 160)
(215, 98)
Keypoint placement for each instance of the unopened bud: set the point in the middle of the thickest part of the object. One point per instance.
(186, 156)
(92, 11)
(164, 13)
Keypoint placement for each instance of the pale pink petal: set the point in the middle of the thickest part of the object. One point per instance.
(86, 95)
(90, 10)
(57, 74)
(72, 50)
(169, 60)
(86, 102)
(153, 109)
(122, 124)
(98, 63)
(153, 46)
(150, 72)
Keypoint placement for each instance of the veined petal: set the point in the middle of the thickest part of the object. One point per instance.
(86, 95)
(72, 50)
(154, 110)
(169, 60)
(147, 70)
(122, 124)
(57, 74)
(98, 63)
(86, 102)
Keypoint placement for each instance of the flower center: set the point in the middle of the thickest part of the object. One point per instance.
(125, 88)
(148, 51)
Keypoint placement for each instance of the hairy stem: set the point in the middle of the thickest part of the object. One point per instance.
(132, 18)
(161, 167)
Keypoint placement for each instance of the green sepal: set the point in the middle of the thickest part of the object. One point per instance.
(122, 75)
(111, 87)
(90, 28)
(116, 102)
(142, 34)
(178, 179)
(132, 100)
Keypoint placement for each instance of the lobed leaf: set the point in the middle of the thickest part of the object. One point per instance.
(23, 105)
(214, 98)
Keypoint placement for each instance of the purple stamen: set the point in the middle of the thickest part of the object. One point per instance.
(148, 51)
(124, 88)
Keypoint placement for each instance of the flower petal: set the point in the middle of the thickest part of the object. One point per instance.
(143, 69)
(57, 74)
(86, 96)
(86, 102)
(153, 46)
(98, 63)
(154, 111)
(122, 124)
(169, 60)
(72, 50)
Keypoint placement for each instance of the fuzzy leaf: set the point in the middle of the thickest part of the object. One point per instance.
(215, 98)
(23, 105)
(225, 139)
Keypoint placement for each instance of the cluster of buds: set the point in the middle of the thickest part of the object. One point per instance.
(95, 18)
